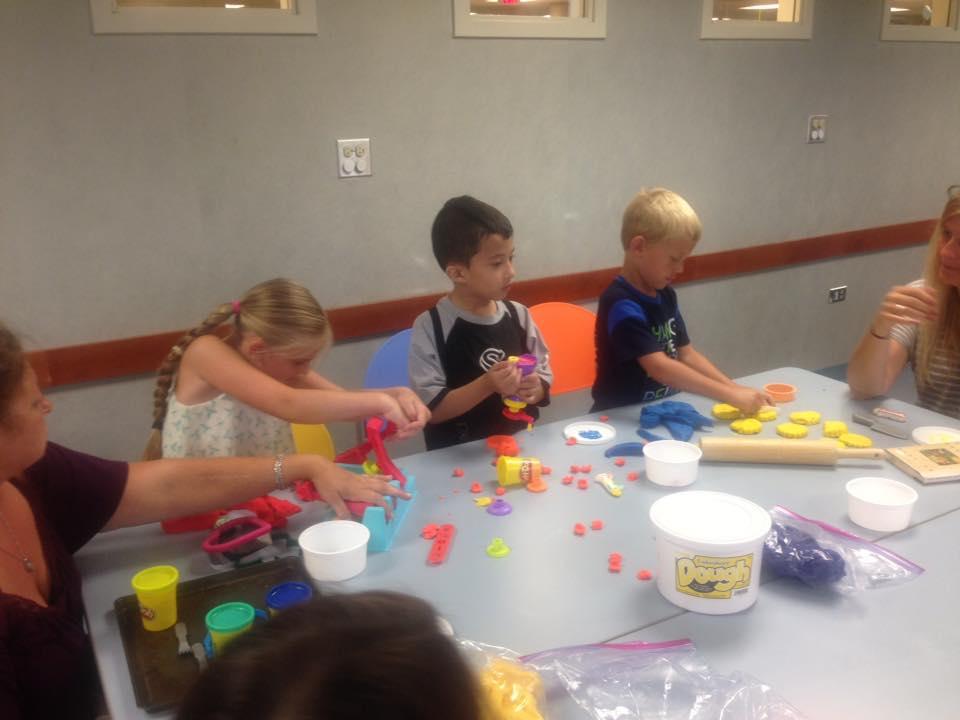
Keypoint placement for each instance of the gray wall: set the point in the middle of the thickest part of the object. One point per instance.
(147, 178)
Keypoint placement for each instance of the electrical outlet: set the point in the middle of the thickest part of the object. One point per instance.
(353, 158)
(838, 294)
(817, 129)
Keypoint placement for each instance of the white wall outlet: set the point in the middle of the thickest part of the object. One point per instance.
(837, 294)
(353, 158)
(817, 129)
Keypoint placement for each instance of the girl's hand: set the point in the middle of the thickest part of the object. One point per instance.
(392, 411)
(413, 409)
(905, 305)
(336, 485)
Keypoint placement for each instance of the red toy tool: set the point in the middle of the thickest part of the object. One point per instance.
(441, 545)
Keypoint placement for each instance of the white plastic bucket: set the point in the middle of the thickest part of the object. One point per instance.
(880, 504)
(671, 462)
(709, 550)
(334, 550)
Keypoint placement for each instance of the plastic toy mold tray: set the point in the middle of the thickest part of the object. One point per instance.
(160, 677)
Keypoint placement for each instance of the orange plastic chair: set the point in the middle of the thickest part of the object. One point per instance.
(569, 333)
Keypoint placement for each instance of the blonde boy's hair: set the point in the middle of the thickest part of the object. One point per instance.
(942, 333)
(658, 214)
(281, 312)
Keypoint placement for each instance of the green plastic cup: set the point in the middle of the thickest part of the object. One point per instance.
(225, 622)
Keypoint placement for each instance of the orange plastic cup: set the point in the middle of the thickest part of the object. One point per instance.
(781, 392)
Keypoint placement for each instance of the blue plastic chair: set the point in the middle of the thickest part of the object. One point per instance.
(389, 366)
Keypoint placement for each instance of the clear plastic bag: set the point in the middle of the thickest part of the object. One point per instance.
(661, 681)
(821, 555)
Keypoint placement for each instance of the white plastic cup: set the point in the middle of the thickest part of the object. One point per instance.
(880, 504)
(671, 462)
(334, 550)
(709, 550)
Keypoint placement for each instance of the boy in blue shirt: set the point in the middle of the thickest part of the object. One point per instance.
(643, 350)
(459, 349)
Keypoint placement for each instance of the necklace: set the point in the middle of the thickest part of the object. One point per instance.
(22, 557)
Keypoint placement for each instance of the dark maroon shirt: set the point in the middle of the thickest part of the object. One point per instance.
(46, 661)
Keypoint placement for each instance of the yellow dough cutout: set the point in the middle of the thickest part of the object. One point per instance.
(853, 440)
(791, 430)
(722, 411)
(805, 417)
(834, 428)
(746, 426)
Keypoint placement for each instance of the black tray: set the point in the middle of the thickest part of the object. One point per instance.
(160, 677)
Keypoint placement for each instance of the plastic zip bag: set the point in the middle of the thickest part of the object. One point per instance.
(662, 681)
(822, 555)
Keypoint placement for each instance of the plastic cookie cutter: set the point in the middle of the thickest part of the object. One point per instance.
(514, 405)
(374, 517)
(606, 480)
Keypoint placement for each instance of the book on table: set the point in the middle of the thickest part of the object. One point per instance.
(929, 463)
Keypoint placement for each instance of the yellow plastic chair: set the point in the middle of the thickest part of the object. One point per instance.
(313, 439)
(568, 331)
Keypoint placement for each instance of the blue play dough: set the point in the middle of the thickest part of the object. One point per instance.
(790, 551)
(590, 434)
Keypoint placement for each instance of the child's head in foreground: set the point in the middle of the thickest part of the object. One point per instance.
(473, 244)
(363, 656)
(658, 232)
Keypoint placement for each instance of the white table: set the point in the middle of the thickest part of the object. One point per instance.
(554, 589)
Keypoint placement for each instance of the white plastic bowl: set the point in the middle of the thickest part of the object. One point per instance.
(880, 504)
(671, 462)
(334, 550)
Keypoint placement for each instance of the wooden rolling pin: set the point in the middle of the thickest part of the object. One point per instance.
(783, 452)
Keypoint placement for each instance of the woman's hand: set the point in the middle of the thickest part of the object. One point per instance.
(337, 485)
(904, 305)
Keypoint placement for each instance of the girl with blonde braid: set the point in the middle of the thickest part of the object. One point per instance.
(235, 393)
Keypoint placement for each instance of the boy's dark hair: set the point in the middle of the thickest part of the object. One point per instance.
(460, 226)
(345, 657)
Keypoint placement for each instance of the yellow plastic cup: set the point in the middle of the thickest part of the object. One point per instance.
(156, 589)
(227, 621)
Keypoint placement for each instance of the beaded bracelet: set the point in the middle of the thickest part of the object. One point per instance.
(278, 472)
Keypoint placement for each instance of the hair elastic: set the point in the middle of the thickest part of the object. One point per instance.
(235, 304)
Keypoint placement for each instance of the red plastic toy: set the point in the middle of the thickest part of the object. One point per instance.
(619, 462)
(571, 441)
(596, 525)
(583, 483)
(580, 529)
(458, 472)
(644, 575)
(476, 488)
(377, 429)
(441, 545)
(567, 479)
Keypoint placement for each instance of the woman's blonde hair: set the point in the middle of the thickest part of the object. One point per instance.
(281, 312)
(945, 332)
(658, 214)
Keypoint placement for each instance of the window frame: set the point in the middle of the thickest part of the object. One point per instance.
(756, 29)
(108, 19)
(592, 26)
(919, 33)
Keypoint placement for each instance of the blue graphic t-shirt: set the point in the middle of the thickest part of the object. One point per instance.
(629, 326)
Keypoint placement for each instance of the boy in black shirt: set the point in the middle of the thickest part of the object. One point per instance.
(643, 350)
(459, 349)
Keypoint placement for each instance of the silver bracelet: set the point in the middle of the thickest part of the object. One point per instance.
(278, 472)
